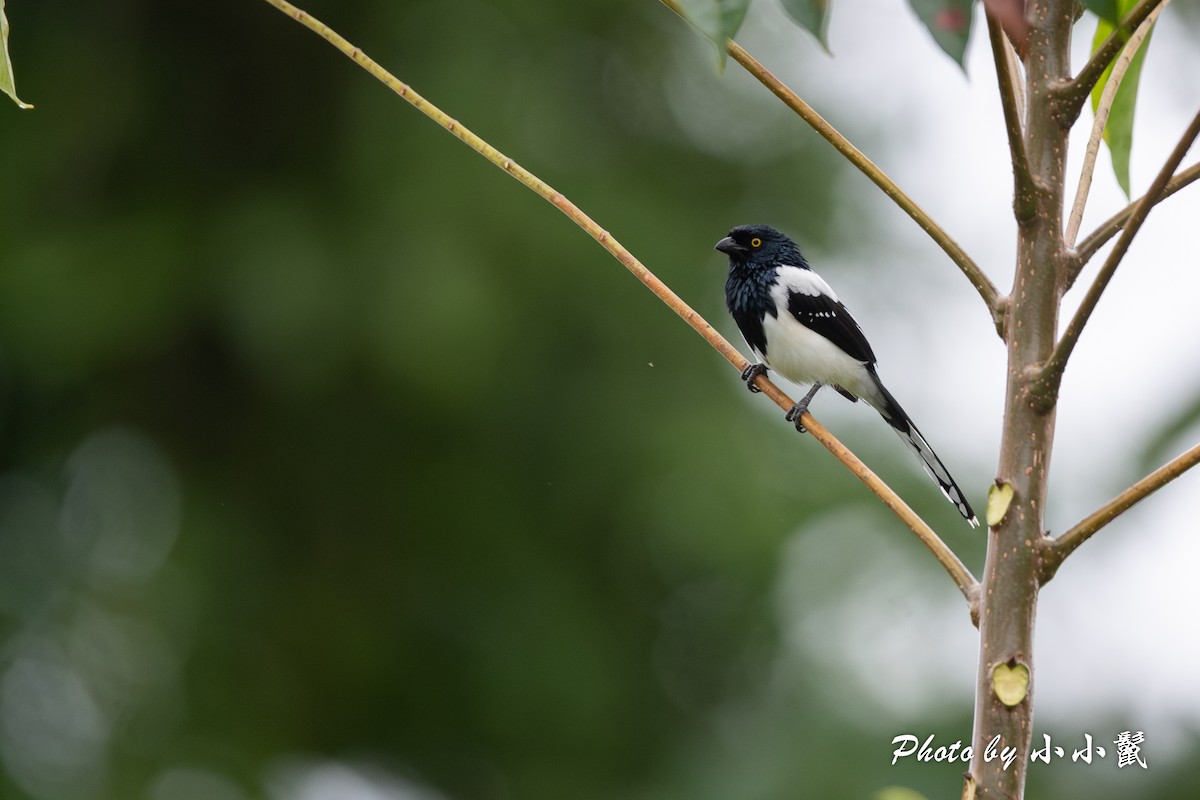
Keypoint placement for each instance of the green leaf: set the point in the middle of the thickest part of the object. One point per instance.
(1118, 131)
(1104, 9)
(813, 16)
(949, 21)
(7, 84)
(719, 20)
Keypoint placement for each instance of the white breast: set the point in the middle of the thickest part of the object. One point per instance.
(799, 354)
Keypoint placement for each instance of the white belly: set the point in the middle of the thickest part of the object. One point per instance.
(802, 356)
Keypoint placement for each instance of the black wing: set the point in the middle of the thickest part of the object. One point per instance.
(822, 314)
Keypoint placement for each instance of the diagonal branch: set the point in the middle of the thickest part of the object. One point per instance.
(1107, 97)
(1114, 224)
(1023, 186)
(1052, 370)
(1057, 550)
(974, 274)
(1076, 92)
(954, 567)
(961, 576)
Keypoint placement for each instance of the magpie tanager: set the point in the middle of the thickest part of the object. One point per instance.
(795, 325)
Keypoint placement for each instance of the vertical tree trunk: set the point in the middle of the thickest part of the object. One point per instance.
(1010, 582)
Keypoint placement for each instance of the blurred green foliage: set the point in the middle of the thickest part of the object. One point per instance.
(323, 442)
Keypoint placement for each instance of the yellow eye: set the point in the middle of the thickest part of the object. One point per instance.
(756, 242)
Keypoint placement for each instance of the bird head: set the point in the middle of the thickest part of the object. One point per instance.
(759, 244)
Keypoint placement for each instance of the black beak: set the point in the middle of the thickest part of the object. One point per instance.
(731, 248)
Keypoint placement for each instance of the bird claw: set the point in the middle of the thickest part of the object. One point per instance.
(750, 373)
(797, 411)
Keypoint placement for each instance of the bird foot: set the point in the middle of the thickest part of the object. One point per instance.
(798, 410)
(750, 373)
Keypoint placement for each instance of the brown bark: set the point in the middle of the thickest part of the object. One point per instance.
(1011, 573)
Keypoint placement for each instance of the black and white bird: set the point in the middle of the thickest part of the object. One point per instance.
(795, 325)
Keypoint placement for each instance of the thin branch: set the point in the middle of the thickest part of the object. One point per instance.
(1051, 372)
(1076, 92)
(1023, 186)
(1103, 108)
(945, 556)
(1114, 224)
(961, 576)
(1057, 550)
(856, 157)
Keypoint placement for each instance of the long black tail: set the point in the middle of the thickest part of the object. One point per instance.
(891, 411)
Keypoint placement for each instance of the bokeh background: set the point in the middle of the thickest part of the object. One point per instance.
(335, 464)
